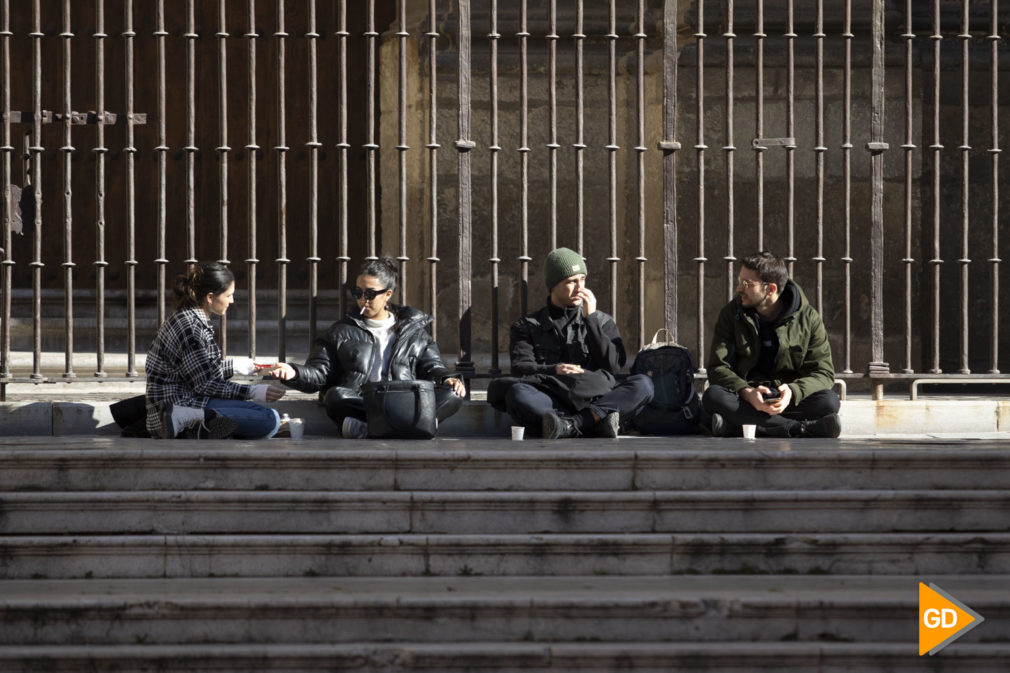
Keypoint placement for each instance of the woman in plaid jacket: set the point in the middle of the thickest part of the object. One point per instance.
(188, 391)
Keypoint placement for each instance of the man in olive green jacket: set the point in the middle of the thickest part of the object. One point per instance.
(770, 362)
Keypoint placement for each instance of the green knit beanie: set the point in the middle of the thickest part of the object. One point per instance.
(561, 264)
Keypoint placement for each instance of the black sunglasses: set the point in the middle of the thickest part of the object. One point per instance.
(368, 294)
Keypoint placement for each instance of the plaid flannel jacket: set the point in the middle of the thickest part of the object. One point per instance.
(184, 367)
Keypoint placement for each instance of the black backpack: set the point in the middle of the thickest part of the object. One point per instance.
(675, 408)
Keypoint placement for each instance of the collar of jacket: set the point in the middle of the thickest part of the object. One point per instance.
(555, 312)
(200, 315)
(407, 318)
(792, 298)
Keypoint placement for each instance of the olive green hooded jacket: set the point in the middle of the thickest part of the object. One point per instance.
(804, 357)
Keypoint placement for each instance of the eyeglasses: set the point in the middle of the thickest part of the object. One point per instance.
(368, 294)
(748, 283)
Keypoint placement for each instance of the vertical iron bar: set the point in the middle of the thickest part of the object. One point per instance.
(162, 149)
(465, 364)
(877, 147)
(612, 149)
(191, 148)
(6, 178)
(432, 148)
(965, 149)
(68, 220)
(35, 151)
(100, 150)
(819, 150)
(252, 151)
(791, 148)
(342, 146)
(524, 167)
(552, 112)
(669, 146)
(580, 127)
(371, 147)
(936, 147)
(994, 152)
(495, 148)
(759, 122)
(846, 147)
(222, 150)
(314, 146)
(730, 149)
(282, 188)
(131, 199)
(640, 150)
(700, 148)
(908, 148)
(401, 149)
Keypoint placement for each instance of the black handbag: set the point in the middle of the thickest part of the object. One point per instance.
(400, 409)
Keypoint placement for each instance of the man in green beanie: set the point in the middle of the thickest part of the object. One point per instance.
(566, 355)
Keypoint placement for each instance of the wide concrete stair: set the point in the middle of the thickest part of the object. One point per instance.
(644, 554)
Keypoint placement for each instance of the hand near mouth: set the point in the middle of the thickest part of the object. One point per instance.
(588, 299)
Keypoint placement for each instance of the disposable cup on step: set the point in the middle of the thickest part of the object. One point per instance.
(749, 431)
(297, 428)
(517, 432)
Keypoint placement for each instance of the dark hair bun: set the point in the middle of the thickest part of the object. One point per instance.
(199, 281)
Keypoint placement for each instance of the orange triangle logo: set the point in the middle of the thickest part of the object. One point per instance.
(942, 619)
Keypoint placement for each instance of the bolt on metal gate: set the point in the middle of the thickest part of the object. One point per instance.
(659, 138)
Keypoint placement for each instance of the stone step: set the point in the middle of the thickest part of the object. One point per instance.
(475, 512)
(150, 556)
(81, 407)
(279, 610)
(578, 657)
(447, 464)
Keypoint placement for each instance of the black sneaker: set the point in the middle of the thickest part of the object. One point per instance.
(558, 427)
(827, 427)
(608, 426)
(719, 427)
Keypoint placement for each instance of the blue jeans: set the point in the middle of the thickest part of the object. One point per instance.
(254, 420)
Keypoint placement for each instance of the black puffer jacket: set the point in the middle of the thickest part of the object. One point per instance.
(344, 356)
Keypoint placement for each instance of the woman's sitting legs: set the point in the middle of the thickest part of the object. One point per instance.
(254, 420)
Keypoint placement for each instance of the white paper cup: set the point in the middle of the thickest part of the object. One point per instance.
(517, 432)
(297, 428)
(749, 431)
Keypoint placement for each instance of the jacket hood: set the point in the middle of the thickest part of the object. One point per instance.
(792, 299)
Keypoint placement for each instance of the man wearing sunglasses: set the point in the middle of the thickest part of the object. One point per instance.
(566, 355)
(770, 362)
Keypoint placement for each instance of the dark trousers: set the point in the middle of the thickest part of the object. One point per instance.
(527, 404)
(343, 402)
(736, 412)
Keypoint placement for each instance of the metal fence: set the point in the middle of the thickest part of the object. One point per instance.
(684, 251)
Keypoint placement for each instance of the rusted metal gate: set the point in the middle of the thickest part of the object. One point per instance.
(644, 194)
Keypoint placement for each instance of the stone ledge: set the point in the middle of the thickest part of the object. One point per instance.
(514, 512)
(140, 556)
(965, 418)
(456, 657)
(507, 609)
